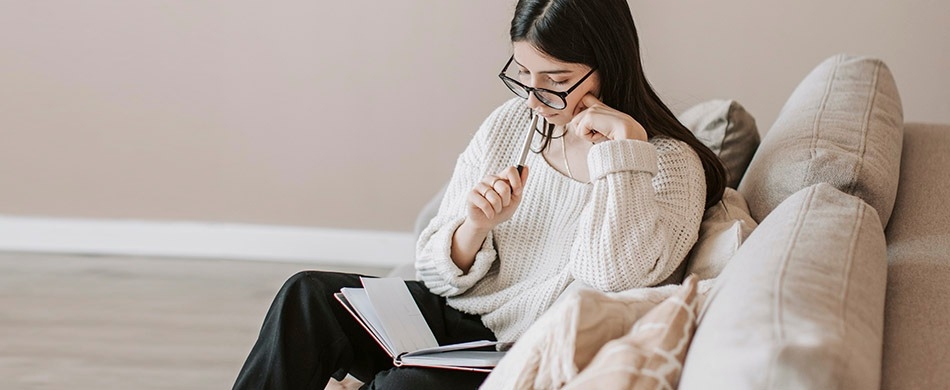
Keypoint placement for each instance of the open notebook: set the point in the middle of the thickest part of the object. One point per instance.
(387, 311)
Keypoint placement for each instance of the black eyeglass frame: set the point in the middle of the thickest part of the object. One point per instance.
(528, 90)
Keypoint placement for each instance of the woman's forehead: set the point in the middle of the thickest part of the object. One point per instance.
(529, 57)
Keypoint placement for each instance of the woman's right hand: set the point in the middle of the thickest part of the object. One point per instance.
(495, 198)
(492, 201)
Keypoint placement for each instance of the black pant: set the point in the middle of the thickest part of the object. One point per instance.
(307, 337)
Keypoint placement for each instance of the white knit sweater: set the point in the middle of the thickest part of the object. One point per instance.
(630, 227)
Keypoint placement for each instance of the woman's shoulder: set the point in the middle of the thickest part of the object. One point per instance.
(669, 144)
(669, 149)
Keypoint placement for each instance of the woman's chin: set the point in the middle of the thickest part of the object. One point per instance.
(557, 119)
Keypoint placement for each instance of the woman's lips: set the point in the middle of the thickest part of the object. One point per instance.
(547, 115)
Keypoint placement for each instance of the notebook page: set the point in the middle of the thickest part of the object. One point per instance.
(358, 300)
(397, 311)
(453, 347)
(456, 358)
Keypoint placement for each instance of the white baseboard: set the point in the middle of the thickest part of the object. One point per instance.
(206, 240)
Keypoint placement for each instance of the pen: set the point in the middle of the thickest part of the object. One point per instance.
(527, 142)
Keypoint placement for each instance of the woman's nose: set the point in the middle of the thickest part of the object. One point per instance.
(533, 102)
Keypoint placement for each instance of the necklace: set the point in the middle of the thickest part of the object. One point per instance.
(564, 151)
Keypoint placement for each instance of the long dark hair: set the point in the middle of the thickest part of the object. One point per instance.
(602, 35)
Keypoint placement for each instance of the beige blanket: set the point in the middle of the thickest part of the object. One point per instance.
(592, 340)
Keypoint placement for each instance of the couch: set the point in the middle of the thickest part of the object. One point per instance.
(845, 282)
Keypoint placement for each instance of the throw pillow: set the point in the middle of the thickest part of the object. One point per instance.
(728, 130)
(801, 305)
(725, 227)
(842, 125)
(651, 355)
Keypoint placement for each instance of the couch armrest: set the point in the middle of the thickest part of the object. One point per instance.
(916, 321)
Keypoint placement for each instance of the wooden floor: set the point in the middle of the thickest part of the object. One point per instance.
(80, 322)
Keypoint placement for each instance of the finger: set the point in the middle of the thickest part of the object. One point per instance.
(487, 184)
(575, 123)
(495, 200)
(579, 108)
(586, 103)
(597, 138)
(590, 100)
(514, 180)
(482, 189)
(478, 200)
(503, 189)
(584, 127)
(487, 190)
(498, 185)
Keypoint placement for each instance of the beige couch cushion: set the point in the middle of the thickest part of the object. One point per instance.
(917, 318)
(728, 130)
(842, 125)
(725, 226)
(801, 305)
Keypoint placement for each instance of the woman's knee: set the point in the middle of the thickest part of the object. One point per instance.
(308, 285)
(319, 283)
(303, 280)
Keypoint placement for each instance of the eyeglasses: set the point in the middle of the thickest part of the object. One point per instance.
(554, 99)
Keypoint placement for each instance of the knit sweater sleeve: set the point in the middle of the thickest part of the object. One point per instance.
(643, 216)
(434, 265)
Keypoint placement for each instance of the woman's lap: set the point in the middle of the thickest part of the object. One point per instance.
(299, 316)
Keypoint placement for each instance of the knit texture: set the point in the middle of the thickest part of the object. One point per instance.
(630, 227)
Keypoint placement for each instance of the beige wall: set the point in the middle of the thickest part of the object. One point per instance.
(757, 51)
(350, 114)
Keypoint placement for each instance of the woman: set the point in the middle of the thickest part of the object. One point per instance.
(612, 197)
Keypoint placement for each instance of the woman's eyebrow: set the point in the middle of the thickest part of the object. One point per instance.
(557, 71)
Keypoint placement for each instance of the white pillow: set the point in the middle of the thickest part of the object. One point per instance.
(725, 227)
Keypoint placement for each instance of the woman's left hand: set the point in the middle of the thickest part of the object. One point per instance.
(595, 121)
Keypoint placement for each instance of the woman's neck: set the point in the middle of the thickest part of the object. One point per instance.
(567, 153)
